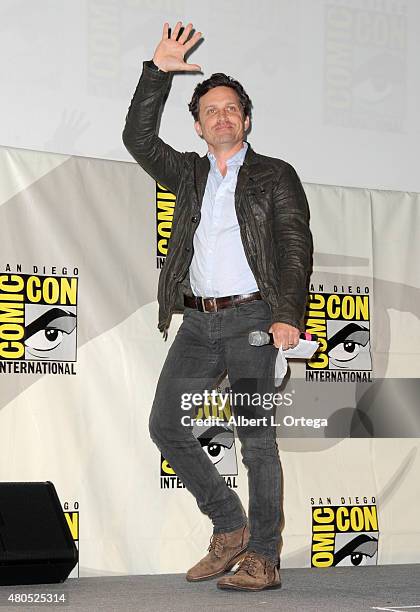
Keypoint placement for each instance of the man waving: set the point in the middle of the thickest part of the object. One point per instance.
(239, 260)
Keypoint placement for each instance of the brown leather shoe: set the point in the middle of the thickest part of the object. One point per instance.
(225, 550)
(255, 573)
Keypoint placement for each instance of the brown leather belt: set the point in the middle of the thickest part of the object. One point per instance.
(214, 304)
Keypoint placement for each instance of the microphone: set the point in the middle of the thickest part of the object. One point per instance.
(260, 338)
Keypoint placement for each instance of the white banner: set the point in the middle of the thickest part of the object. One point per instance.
(82, 241)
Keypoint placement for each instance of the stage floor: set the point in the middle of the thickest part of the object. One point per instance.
(386, 587)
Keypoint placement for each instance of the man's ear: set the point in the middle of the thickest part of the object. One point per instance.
(198, 128)
(247, 123)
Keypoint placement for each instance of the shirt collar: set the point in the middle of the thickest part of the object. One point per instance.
(236, 160)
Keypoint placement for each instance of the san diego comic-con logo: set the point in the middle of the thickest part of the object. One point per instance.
(344, 534)
(71, 514)
(217, 441)
(341, 320)
(165, 205)
(38, 322)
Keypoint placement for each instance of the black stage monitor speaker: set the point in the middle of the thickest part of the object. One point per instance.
(36, 546)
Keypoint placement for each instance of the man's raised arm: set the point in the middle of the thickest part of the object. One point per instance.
(140, 135)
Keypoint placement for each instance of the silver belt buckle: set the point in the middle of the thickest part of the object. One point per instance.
(203, 305)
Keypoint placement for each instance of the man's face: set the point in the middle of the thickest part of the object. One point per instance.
(221, 122)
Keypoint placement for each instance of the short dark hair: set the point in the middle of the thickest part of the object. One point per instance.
(219, 79)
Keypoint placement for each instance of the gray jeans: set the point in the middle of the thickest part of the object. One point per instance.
(205, 347)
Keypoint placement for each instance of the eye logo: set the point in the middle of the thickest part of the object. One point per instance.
(360, 550)
(348, 348)
(51, 335)
(218, 444)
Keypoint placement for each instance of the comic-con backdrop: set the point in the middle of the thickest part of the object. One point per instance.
(82, 244)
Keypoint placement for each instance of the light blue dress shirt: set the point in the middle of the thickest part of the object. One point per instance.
(219, 266)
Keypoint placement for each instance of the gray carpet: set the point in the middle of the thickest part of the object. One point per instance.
(386, 587)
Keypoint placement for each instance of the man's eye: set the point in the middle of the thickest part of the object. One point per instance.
(210, 111)
(232, 109)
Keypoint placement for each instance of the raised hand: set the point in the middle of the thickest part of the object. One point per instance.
(169, 54)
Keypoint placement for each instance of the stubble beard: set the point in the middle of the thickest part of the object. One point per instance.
(227, 138)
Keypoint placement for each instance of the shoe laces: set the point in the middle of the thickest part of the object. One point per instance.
(249, 564)
(217, 541)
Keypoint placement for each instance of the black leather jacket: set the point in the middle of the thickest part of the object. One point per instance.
(270, 203)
